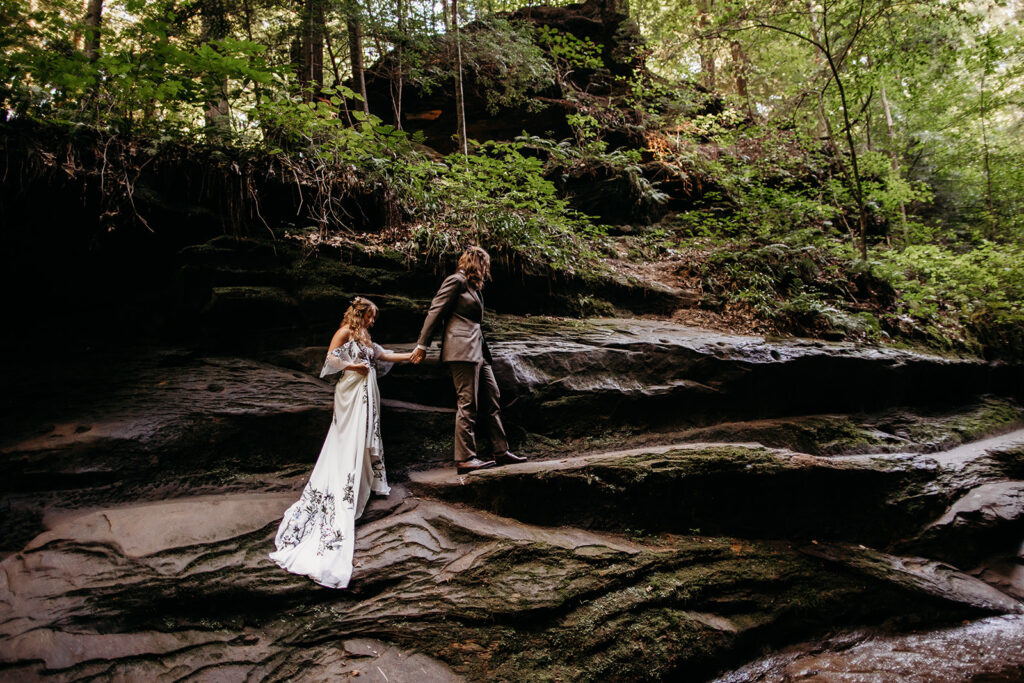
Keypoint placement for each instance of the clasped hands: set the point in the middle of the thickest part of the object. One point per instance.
(415, 357)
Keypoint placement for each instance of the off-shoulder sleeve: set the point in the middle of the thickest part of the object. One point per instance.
(337, 360)
(382, 366)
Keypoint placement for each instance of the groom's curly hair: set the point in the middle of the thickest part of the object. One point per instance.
(355, 318)
(477, 264)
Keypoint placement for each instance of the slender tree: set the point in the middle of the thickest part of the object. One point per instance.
(707, 51)
(310, 43)
(986, 67)
(460, 104)
(354, 24)
(741, 65)
(397, 81)
(217, 110)
(93, 21)
(833, 38)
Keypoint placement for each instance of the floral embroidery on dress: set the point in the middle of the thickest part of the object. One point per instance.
(349, 495)
(315, 508)
(377, 465)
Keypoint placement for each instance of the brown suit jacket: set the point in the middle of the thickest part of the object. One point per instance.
(459, 310)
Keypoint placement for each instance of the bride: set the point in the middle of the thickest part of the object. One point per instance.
(317, 534)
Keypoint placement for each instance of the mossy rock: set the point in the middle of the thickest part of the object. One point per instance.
(250, 307)
(992, 415)
(231, 252)
(730, 490)
(896, 431)
(999, 331)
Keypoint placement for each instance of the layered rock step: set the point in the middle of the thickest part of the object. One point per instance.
(691, 500)
(184, 588)
(962, 506)
(749, 490)
(987, 649)
(269, 294)
(570, 378)
(164, 423)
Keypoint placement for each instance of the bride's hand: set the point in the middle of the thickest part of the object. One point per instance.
(361, 368)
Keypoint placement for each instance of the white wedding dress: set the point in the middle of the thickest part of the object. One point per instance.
(317, 534)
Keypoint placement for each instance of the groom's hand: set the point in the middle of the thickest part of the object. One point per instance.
(417, 356)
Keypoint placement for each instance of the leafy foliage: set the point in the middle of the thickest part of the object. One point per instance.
(753, 168)
(567, 52)
(506, 63)
(499, 197)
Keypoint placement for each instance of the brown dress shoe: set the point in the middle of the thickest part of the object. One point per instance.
(472, 465)
(509, 458)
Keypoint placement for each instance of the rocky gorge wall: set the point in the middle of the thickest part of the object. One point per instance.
(697, 504)
(694, 502)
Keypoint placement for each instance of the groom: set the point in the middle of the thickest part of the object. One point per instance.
(458, 308)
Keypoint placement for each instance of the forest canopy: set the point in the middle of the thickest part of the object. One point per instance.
(884, 135)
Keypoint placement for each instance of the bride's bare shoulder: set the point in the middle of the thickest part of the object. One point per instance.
(343, 334)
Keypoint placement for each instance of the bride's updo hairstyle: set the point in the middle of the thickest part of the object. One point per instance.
(477, 264)
(355, 318)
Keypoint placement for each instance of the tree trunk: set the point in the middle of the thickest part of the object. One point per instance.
(867, 131)
(217, 110)
(890, 136)
(93, 21)
(311, 49)
(397, 80)
(247, 7)
(707, 53)
(857, 187)
(989, 210)
(460, 105)
(355, 48)
(337, 76)
(741, 65)
(823, 125)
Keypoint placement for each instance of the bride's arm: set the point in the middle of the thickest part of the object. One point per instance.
(341, 362)
(389, 357)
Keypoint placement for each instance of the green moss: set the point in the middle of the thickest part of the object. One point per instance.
(697, 462)
(590, 306)
(512, 327)
(251, 296)
(890, 432)
(688, 611)
(938, 432)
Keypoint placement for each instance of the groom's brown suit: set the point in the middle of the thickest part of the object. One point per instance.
(459, 309)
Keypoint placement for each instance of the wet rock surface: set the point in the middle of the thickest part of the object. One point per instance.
(650, 374)
(667, 527)
(489, 596)
(986, 650)
(163, 423)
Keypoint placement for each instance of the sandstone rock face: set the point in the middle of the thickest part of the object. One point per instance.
(650, 373)
(683, 513)
(156, 415)
(989, 650)
(490, 596)
(160, 424)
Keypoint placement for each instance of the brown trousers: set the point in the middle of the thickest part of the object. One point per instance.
(476, 391)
